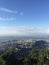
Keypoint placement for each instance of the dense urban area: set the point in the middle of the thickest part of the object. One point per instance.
(26, 43)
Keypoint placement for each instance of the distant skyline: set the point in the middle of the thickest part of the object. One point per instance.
(24, 17)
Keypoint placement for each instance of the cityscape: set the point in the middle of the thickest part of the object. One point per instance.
(24, 43)
(24, 32)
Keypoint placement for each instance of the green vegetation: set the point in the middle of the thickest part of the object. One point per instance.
(34, 57)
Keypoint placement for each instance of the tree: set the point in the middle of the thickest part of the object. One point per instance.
(9, 57)
(32, 58)
(2, 62)
(43, 57)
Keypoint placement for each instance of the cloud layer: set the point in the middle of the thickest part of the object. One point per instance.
(23, 31)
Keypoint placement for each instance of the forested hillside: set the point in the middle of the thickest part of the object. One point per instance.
(34, 57)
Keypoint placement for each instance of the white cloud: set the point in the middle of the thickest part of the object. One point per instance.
(11, 11)
(22, 31)
(48, 30)
(8, 10)
(7, 19)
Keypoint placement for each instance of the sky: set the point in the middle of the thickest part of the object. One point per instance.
(24, 17)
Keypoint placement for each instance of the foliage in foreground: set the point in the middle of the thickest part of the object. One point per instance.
(34, 57)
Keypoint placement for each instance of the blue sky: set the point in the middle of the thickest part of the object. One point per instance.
(24, 17)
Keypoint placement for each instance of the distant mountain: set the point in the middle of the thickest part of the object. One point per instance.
(40, 44)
